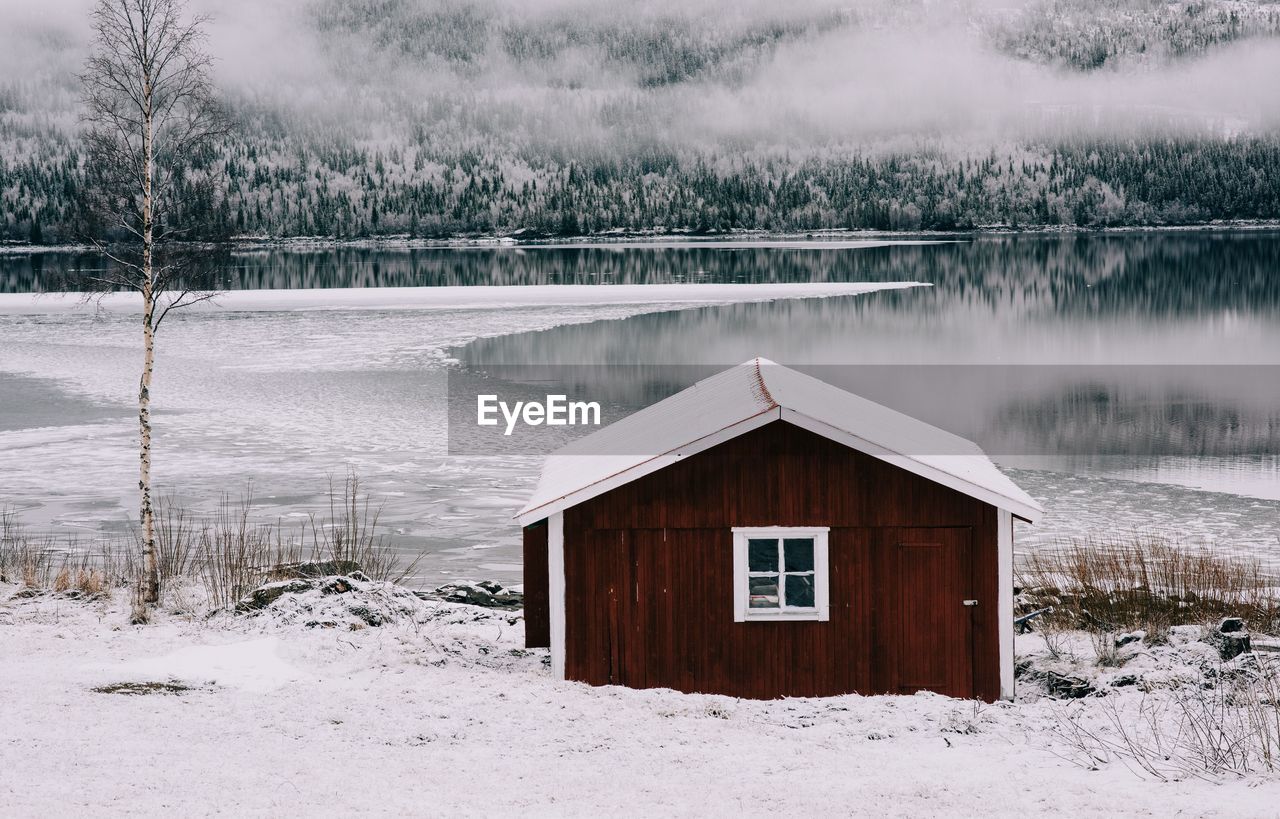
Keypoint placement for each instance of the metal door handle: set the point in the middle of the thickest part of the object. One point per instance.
(971, 602)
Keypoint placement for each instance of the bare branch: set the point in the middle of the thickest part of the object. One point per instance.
(186, 299)
(150, 107)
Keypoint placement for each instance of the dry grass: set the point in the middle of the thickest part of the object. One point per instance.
(235, 555)
(229, 553)
(63, 567)
(88, 581)
(175, 541)
(24, 559)
(350, 533)
(1147, 582)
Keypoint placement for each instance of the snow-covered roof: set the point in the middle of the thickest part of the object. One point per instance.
(749, 396)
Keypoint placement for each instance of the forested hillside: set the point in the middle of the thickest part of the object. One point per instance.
(1092, 34)
(377, 117)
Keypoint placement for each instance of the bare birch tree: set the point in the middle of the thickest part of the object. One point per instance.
(150, 109)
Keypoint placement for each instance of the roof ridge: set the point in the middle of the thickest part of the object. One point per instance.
(763, 387)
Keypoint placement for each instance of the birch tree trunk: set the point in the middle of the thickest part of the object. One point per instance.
(146, 512)
(151, 108)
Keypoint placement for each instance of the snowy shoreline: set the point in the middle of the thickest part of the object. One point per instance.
(745, 239)
(453, 297)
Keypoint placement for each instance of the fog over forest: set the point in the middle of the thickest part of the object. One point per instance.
(383, 116)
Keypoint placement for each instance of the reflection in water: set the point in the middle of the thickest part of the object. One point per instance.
(1147, 273)
(1100, 355)
(1054, 410)
(1190, 415)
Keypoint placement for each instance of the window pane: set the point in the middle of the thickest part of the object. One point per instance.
(762, 555)
(763, 592)
(798, 552)
(800, 591)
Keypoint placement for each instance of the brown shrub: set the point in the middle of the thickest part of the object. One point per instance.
(1230, 728)
(1147, 582)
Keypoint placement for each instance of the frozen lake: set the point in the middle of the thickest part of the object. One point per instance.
(1127, 380)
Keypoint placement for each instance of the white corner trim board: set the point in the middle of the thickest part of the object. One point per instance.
(555, 589)
(1004, 555)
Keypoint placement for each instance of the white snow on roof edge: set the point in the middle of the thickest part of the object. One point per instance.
(749, 395)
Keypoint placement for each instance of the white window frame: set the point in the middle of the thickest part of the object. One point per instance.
(742, 611)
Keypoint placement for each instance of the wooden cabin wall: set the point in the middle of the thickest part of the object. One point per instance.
(537, 596)
(649, 576)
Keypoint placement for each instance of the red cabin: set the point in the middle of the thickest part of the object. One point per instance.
(764, 534)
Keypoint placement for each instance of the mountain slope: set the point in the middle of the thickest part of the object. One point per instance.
(435, 117)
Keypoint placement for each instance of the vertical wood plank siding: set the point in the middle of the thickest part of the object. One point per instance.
(649, 574)
(537, 598)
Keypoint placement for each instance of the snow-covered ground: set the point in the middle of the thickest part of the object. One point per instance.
(444, 712)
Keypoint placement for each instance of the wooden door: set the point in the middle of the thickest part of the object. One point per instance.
(622, 626)
(598, 625)
(931, 632)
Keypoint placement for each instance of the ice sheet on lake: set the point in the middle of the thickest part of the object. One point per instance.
(453, 297)
(264, 389)
(285, 398)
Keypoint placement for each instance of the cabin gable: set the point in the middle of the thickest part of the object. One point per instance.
(779, 474)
